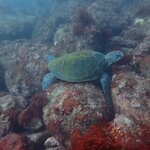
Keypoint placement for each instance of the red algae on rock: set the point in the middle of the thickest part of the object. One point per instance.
(94, 138)
(121, 133)
(10, 108)
(31, 117)
(127, 134)
(16, 142)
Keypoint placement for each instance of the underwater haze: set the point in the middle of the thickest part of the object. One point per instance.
(74, 74)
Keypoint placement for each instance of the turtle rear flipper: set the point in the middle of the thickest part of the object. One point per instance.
(106, 84)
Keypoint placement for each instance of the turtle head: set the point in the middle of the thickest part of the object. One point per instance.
(113, 57)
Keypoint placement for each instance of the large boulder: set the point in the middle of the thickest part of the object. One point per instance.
(131, 94)
(25, 64)
(10, 107)
(74, 106)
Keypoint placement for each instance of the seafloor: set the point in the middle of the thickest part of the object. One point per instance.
(74, 116)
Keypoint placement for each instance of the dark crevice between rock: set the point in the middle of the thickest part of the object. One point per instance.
(101, 40)
(3, 86)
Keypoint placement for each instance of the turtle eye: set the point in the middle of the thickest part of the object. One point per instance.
(119, 56)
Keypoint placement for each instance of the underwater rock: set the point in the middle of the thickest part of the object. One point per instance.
(73, 106)
(118, 41)
(29, 65)
(38, 138)
(111, 13)
(127, 134)
(83, 25)
(31, 117)
(10, 107)
(66, 42)
(129, 37)
(144, 66)
(91, 27)
(44, 31)
(135, 36)
(2, 93)
(121, 133)
(141, 57)
(143, 48)
(134, 33)
(51, 142)
(6, 126)
(16, 142)
(50, 20)
(131, 94)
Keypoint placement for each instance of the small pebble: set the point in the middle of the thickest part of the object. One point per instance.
(51, 142)
(135, 104)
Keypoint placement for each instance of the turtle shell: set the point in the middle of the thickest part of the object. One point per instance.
(78, 66)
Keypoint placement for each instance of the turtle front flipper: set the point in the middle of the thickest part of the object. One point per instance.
(106, 86)
(48, 80)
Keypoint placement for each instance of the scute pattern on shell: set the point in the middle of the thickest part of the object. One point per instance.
(78, 66)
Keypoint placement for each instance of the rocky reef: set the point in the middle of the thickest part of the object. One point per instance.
(74, 116)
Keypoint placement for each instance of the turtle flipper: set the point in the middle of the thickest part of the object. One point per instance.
(106, 85)
(48, 80)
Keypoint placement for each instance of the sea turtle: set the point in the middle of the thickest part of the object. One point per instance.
(81, 66)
